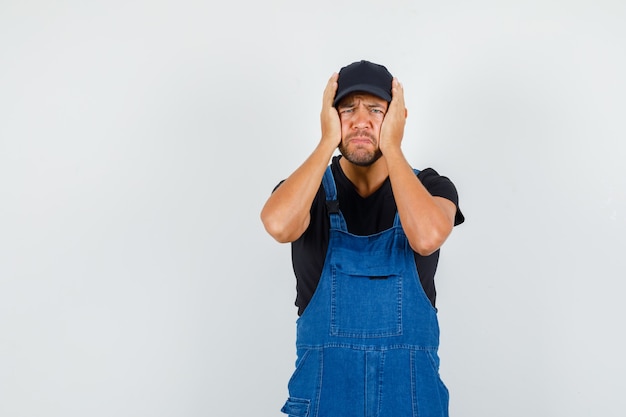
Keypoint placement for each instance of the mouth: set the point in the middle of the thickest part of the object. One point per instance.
(361, 139)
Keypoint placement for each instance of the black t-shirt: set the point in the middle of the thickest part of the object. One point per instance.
(364, 216)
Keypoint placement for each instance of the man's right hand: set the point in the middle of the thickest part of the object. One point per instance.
(331, 126)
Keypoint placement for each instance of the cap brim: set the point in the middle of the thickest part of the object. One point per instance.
(363, 88)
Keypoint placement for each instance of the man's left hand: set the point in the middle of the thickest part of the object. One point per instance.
(392, 130)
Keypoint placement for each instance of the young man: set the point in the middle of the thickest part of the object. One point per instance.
(365, 233)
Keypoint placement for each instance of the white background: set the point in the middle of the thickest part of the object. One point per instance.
(140, 139)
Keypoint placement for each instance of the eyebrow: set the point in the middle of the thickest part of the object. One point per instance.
(352, 104)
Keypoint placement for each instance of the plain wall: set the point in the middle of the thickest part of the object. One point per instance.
(140, 139)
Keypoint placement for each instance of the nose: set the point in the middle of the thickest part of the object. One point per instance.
(361, 119)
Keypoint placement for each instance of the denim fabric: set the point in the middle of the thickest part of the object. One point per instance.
(367, 342)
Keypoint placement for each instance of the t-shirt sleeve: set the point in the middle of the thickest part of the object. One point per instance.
(440, 186)
(278, 185)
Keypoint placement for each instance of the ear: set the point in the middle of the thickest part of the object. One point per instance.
(406, 113)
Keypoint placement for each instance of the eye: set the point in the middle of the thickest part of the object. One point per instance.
(345, 110)
(377, 111)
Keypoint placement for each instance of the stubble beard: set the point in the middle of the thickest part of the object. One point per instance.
(360, 156)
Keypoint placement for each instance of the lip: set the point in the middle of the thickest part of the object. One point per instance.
(361, 140)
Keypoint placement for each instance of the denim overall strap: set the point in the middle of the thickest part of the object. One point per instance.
(337, 221)
(396, 220)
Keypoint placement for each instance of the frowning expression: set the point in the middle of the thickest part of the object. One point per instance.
(361, 117)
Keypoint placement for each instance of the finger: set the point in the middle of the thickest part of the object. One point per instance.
(331, 90)
(397, 92)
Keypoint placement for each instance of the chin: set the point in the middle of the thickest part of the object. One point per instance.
(360, 159)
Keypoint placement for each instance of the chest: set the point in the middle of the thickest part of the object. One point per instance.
(367, 216)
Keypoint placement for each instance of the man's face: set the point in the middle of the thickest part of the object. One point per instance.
(361, 117)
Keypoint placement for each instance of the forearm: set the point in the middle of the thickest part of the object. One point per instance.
(427, 221)
(286, 213)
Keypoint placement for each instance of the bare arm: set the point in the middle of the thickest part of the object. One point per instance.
(286, 214)
(427, 221)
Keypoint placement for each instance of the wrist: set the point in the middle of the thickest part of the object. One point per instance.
(331, 141)
(390, 150)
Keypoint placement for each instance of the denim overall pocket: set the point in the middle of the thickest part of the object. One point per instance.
(296, 407)
(366, 301)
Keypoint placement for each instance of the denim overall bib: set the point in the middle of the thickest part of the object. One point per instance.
(367, 342)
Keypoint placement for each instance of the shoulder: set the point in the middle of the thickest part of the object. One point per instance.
(429, 174)
(441, 186)
(437, 184)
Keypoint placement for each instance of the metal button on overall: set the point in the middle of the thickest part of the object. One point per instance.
(367, 342)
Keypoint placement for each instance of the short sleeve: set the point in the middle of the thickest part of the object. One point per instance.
(440, 186)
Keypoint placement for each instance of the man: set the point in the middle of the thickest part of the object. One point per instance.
(365, 235)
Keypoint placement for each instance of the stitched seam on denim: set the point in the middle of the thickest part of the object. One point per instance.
(442, 386)
(380, 382)
(413, 384)
(301, 364)
(400, 298)
(356, 346)
(365, 385)
(320, 374)
(333, 297)
(433, 363)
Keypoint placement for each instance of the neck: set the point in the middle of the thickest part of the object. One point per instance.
(367, 179)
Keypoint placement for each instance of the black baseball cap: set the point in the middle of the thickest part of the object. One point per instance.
(366, 77)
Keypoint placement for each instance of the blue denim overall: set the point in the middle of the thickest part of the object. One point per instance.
(367, 342)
